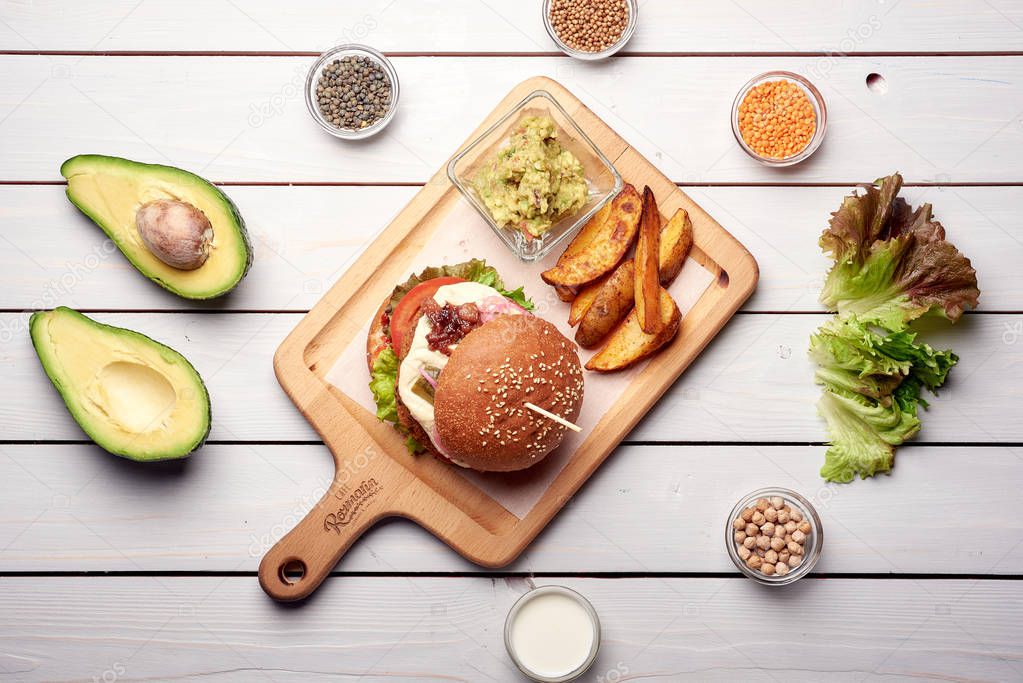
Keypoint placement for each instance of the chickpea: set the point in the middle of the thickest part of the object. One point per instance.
(797, 515)
(795, 548)
(767, 568)
(762, 504)
(771, 556)
(744, 553)
(752, 529)
(781, 569)
(754, 562)
(778, 502)
(795, 561)
(763, 542)
(791, 526)
(783, 517)
(798, 536)
(767, 529)
(740, 536)
(779, 531)
(747, 514)
(771, 514)
(758, 518)
(787, 538)
(777, 544)
(738, 524)
(749, 542)
(784, 556)
(804, 526)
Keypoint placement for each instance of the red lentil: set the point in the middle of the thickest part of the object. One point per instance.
(776, 119)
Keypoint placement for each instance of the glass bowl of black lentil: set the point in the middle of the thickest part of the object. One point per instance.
(352, 91)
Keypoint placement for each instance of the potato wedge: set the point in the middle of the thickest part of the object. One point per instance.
(647, 288)
(582, 239)
(607, 247)
(629, 343)
(676, 242)
(566, 294)
(584, 299)
(613, 301)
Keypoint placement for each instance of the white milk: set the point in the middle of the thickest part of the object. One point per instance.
(552, 634)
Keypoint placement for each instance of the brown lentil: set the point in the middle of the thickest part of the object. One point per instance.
(776, 119)
(589, 25)
(353, 92)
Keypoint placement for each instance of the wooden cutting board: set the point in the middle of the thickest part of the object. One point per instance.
(375, 477)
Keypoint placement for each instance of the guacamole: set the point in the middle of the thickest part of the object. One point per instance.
(533, 181)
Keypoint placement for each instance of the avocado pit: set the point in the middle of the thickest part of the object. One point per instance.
(175, 232)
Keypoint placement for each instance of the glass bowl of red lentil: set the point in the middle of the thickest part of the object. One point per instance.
(796, 512)
(313, 93)
(789, 104)
(603, 182)
(565, 37)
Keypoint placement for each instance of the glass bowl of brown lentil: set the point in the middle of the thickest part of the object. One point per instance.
(352, 91)
(784, 527)
(779, 118)
(590, 29)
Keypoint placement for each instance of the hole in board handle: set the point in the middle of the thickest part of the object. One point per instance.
(877, 84)
(292, 571)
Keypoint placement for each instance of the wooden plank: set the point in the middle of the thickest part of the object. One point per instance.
(450, 629)
(648, 509)
(753, 383)
(463, 25)
(245, 117)
(305, 236)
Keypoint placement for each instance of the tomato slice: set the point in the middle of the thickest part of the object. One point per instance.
(405, 312)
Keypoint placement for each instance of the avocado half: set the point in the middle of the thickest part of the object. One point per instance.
(132, 395)
(110, 190)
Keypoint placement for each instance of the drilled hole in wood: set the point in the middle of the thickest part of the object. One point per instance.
(877, 84)
(292, 571)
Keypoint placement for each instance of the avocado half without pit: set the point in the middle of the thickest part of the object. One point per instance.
(176, 228)
(132, 395)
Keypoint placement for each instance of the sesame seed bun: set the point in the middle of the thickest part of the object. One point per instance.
(494, 370)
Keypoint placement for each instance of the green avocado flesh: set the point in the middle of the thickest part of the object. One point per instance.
(110, 190)
(133, 396)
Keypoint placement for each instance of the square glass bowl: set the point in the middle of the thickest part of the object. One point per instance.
(602, 179)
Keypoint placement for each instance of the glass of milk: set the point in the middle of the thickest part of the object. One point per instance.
(552, 634)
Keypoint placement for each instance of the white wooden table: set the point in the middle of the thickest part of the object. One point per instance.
(114, 571)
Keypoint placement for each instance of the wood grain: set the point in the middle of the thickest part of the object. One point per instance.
(437, 629)
(648, 509)
(467, 25)
(246, 118)
(304, 237)
(753, 384)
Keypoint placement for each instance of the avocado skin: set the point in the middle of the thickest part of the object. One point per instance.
(39, 316)
(239, 222)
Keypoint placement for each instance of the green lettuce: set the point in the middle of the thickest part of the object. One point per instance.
(892, 263)
(892, 266)
(383, 379)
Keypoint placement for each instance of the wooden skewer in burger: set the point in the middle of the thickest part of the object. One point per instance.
(454, 359)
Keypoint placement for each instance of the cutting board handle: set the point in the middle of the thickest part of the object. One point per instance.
(365, 489)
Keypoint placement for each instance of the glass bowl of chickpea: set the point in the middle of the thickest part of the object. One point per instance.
(779, 118)
(774, 536)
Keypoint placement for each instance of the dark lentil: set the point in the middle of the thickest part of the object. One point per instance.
(353, 92)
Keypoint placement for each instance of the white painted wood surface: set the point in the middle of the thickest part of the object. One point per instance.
(754, 383)
(943, 119)
(412, 628)
(648, 509)
(304, 237)
(949, 509)
(474, 26)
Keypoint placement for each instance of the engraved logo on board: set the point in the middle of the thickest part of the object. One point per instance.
(352, 503)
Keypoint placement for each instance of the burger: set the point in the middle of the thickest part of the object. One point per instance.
(454, 357)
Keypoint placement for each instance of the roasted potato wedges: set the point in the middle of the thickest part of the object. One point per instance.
(582, 239)
(629, 343)
(647, 276)
(676, 242)
(613, 301)
(584, 299)
(609, 243)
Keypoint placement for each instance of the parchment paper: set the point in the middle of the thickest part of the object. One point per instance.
(465, 236)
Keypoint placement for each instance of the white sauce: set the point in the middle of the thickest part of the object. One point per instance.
(552, 635)
(420, 355)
